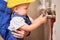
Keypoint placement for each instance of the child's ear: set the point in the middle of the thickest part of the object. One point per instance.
(15, 9)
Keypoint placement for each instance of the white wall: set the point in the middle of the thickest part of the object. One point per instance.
(56, 31)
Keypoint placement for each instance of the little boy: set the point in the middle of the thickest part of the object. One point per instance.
(20, 19)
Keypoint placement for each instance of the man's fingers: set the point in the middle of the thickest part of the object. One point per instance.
(20, 31)
(17, 35)
(15, 30)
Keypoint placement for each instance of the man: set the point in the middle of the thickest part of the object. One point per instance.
(5, 16)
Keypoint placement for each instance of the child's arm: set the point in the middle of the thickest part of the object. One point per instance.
(19, 23)
(37, 22)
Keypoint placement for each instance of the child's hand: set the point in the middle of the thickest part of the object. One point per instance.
(43, 18)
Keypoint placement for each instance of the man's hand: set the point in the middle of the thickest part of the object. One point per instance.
(1, 38)
(20, 33)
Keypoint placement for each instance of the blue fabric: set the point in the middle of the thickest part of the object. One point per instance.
(5, 17)
(10, 36)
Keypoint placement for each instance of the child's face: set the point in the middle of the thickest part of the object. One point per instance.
(22, 9)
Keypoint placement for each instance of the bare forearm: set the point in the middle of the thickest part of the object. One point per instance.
(37, 22)
(34, 25)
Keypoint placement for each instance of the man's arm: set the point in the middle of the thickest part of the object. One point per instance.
(1, 38)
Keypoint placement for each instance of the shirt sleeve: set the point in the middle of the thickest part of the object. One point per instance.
(16, 23)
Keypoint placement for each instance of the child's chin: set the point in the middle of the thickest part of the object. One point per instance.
(25, 14)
